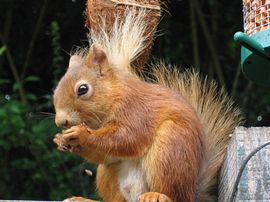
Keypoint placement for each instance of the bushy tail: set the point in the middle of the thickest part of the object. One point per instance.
(216, 111)
(126, 41)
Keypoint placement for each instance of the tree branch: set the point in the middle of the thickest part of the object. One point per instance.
(7, 26)
(211, 46)
(33, 40)
(14, 71)
(236, 79)
(194, 38)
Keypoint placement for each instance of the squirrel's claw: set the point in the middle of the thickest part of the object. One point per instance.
(63, 147)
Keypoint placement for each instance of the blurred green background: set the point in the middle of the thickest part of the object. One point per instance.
(36, 38)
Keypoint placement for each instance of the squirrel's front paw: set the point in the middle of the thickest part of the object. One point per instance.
(72, 139)
(75, 136)
(58, 140)
(63, 146)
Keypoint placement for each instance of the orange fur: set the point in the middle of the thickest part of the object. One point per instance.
(147, 121)
(216, 112)
(107, 183)
(153, 141)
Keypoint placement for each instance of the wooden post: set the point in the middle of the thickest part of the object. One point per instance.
(254, 184)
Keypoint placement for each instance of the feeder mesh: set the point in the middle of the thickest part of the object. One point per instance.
(256, 15)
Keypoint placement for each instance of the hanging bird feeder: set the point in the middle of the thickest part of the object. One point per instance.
(255, 41)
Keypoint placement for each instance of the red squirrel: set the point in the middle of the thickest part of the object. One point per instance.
(161, 141)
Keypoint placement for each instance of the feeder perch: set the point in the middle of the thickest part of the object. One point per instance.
(255, 41)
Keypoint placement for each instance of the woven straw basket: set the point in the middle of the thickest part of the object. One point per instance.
(109, 9)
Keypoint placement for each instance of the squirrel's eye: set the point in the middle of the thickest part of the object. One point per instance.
(83, 89)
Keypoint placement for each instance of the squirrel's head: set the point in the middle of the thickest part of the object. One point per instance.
(85, 94)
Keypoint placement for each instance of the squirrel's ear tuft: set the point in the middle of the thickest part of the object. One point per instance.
(97, 56)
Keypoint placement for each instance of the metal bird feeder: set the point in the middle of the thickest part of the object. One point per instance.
(255, 41)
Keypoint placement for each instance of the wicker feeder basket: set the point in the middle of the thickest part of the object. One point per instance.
(109, 9)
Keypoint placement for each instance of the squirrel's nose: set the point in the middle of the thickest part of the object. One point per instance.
(62, 123)
(61, 120)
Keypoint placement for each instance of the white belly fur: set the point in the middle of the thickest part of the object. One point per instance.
(132, 180)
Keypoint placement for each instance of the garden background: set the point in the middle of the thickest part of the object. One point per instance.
(36, 38)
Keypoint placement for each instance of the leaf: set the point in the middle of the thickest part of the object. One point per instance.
(2, 50)
(4, 81)
(31, 97)
(15, 109)
(54, 26)
(16, 86)
(31, 79)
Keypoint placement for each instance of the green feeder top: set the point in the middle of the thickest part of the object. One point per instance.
(255, 60)
(255, 52)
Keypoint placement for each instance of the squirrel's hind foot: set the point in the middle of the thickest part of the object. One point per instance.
(78, 199)
(154, 197)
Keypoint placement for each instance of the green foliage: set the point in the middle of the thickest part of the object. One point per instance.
(4, 81)
(2, 50)
(31, 166)
(57, 56)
